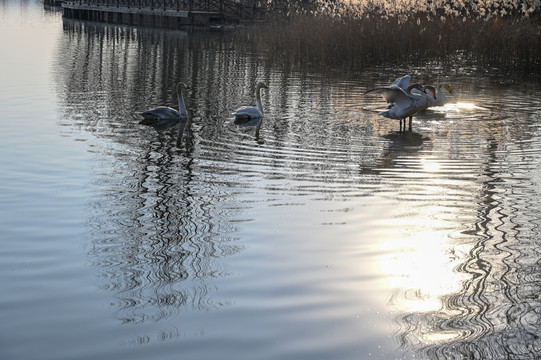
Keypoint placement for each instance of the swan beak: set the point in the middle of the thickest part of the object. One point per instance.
(433, 93)
(449, 89)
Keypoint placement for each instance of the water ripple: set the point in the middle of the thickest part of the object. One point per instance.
(460, 192)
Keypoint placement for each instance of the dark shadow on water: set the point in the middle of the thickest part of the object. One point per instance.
(253, 124)
(404, 141)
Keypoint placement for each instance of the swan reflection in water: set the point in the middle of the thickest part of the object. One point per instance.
(160, 239)
(164, 118)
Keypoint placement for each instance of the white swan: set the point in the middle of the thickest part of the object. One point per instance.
(252, 112)
(440, 98)
(406, 102)
(163, 117)
(153, 116)
(390, 96)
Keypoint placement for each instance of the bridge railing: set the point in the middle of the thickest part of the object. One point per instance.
(240, 9)
(185, 5)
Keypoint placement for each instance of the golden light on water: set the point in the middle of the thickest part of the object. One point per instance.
(467, 106)
(441, 336)
(430, 165)
(420, 261)
(422, 266)
(462, 106)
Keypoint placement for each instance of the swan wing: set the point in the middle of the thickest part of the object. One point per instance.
(402, 82)
(159, 113)
(248, 112)
(402, 99)
(390, 94)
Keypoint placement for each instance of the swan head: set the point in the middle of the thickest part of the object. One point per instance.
(427, 89)
(446, 87)
(182, 86)
(261, 85)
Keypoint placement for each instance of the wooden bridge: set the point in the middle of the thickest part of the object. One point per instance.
(166, 13)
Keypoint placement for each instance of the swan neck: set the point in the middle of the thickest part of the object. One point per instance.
(258, 100)
(439, 93)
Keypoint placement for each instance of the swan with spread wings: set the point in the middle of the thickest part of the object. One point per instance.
(405, 102)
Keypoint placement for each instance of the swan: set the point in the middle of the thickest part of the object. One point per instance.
(404, 81)
(163, 117)
(406, 102)
(252, 112)
(440, 98)
(390, 96)
(153, 116)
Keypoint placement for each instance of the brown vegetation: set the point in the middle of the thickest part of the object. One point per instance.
(368, 34)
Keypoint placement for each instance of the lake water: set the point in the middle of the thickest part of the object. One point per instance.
(329, 236)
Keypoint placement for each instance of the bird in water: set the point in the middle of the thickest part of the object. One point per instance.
(405, 102)
(252, 112)
(163, 117)
(440, 98)
(246, 115)
(166, 113)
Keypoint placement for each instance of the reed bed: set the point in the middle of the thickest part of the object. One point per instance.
(346, 35)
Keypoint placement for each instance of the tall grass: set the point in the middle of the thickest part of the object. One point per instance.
(359, 35)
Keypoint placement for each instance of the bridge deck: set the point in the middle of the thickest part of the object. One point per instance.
(186, 11)
(140, 11)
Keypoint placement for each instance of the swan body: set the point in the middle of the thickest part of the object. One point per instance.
(440, 98)
(434, 95)
(428, 92)
(153, 116)
(252, 112)
(160, 113)
(406, 102)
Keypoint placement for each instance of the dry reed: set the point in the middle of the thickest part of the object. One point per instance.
(368, 34)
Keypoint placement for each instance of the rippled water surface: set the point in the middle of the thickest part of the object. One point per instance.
(329, 236)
